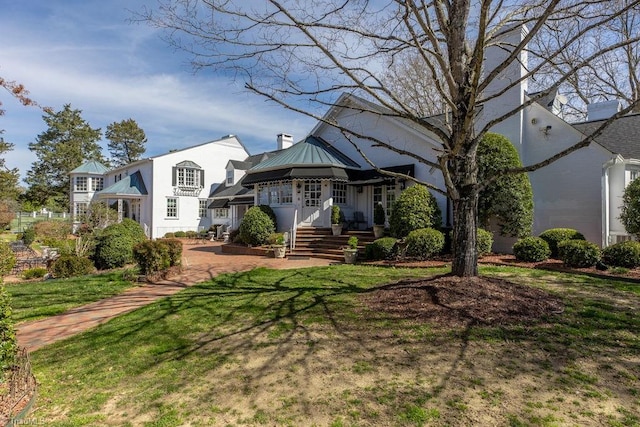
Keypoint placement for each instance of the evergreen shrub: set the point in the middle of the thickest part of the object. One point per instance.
(424, 243)
(414, 209)
(578, 253)
(383, 248)
(256, 226)
(554, 236)
(484, 241)
(531, 249)
(71, 266)
(623, 254)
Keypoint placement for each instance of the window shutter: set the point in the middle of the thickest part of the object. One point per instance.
(201, 177)
(173, 176)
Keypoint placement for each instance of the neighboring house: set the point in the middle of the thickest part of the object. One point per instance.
(165, 193)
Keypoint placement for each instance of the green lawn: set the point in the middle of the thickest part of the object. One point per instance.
(39, 299)
(299, 347)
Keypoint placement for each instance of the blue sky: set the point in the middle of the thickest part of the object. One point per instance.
(86, 53)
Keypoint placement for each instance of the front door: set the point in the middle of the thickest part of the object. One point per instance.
(312, 204)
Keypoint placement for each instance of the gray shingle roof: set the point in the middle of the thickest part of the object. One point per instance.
(620, 137)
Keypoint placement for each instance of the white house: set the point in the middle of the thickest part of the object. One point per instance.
(581, 191)
(164, 193)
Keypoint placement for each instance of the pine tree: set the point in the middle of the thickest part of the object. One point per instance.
(66, 144)
(126, 142)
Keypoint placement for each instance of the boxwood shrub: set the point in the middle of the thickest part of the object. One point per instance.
(484, 241)
(180, 234)
(71, 266)
(623, 254)
(424, 243)
(174, 251)
(152, 256)
(554, 236)
(531, 249)
(414, 209)
(578, 253)
(383, 248)
(256, 226)
(269, 211)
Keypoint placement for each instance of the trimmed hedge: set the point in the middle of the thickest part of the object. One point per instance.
(383, 248)
(256, 227)
(623, 254)
(554, 236)
(114, 246)
(34, 273)
(414, 209)
(71, 266)
(424, 243)
(157, 255)
(531, 249)
(484, 241)
(578, 253)
(267, 209)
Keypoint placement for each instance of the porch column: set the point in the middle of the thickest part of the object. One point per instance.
(120, 210)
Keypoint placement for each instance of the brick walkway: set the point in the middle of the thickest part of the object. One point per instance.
(201, 262)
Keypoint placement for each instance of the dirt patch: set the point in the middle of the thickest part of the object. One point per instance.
(451, 301)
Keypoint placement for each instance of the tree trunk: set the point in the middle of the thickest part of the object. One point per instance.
(465, 219)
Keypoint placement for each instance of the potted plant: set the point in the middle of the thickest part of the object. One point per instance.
(278, 245)
(351, 251)
(378, 220)
(336, 224)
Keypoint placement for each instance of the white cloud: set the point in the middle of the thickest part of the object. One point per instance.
(116, 71)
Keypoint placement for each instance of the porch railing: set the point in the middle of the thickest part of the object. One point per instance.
(294, 228)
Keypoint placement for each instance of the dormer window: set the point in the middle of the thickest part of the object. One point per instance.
(81, 183)
(188, 178)
(230, 177)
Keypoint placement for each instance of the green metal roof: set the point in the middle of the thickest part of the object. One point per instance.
(91, 167)
(312, 151)
(131, 185)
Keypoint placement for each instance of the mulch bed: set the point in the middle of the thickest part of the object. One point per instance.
(452, 302)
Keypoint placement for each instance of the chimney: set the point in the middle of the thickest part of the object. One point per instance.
(284, 141)
(603, 110)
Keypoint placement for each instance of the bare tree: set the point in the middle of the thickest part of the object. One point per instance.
(303, 54)
(613, 75)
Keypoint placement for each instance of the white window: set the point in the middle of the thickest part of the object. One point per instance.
(81, 183)
(188, 177)
(172, 207)
(263, 195)
(286, 194)
(80, 209)
(339, 193)
(276, 193)
(202, 208)
(97, 184)
(221, 213)
(391, 198)
(230, 176)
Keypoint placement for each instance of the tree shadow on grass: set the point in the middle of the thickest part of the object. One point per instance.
(293, 327)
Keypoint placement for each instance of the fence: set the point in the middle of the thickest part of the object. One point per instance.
(25, 219)
(20, 389)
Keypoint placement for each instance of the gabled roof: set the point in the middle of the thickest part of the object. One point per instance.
(240, 165)
(310, 152)
(131, 185)
(91, 167)
(620, 137)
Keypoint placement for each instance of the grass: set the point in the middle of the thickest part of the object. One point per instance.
(296, 347)
(40, 299)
